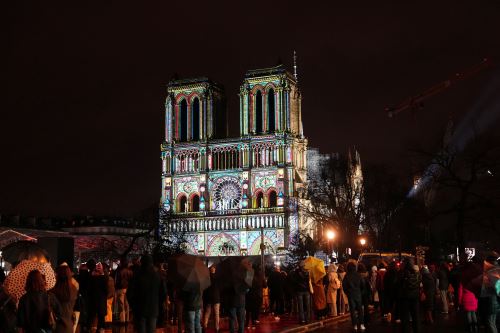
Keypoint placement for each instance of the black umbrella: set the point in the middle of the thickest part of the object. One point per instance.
(235, 270)
(188, 272)
(23, 250)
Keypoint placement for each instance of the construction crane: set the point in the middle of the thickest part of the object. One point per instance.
(415, 102)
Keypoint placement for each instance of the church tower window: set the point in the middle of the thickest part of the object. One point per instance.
(272, 111)
(182, 204)
(259, 119)
(195, 203)
(196, 120)
(259, 200)
(183, 121)
(273, 199)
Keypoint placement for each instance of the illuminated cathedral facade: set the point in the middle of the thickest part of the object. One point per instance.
(226, 194)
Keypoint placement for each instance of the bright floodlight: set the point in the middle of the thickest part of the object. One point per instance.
(330, 234)
(362, 241)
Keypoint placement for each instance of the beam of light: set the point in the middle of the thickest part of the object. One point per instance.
(482, 116)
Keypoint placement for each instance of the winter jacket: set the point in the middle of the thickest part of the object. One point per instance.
(353, 285)
(409, 284)
(211, 295)
(380, 279)
(443, 279)
(144, 293)
(33, 311)
(467, 299)
(301, 280)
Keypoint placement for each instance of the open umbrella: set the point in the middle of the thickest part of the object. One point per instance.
(491, 279)
(472, 277)
(234, 271)
(188, 272)
(24, 250)
(316, 268)
(15, 282)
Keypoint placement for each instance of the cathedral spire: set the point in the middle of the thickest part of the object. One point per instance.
(295, 66)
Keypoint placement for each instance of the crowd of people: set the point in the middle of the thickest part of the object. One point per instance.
(140, 295)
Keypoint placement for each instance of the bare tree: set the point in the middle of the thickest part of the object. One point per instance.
(336, 198)
(463, 186)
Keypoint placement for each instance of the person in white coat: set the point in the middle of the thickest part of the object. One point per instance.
(334, 284)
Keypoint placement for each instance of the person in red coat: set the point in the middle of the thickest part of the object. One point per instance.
(468, 301)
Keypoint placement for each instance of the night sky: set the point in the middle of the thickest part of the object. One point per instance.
(85, 86)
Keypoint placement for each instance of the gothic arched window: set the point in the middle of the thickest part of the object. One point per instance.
(183, 121)
(195, 203)
(273, 199)
(271, 110)
(196, 120)
(182, 201)
(259, 200)
(259, 119)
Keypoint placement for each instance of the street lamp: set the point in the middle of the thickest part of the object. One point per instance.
(362, 241)
(330, 235)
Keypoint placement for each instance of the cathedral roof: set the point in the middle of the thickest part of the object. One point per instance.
(276, 70)
(193, 81)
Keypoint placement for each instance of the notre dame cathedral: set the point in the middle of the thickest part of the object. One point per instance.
(225, 193)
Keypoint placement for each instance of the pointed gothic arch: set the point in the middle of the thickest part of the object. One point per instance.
(195, 120)
(195, 203)
(259, 199)
(181, 203)
(183, 120)
(272, 198)
(259, 113)
(271, 110)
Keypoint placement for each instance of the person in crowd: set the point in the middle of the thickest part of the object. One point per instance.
(455, 283)
(144, 292)
(375, 300)
(192, 300)
(352, 286)
(122, 276)
(98, 295)
(391, 291)
(468, 303)
(38, 310)
(82, 304)
(162, 298)
(409, 284)
(8, 310)
(443, 281)
(301, 279)
(342, 297)
(276, 292)
(333, 285)
(489, 303)
(319, 299)
(379, 285)
(236, 305)
(110, 297)
(429, 292)
(66, 293)
(211, 301)
(254, 299)
(365, 292)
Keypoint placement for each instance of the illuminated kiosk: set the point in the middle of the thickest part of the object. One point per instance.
(224, 193)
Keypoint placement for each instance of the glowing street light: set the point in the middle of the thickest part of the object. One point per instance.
(362, 241)
(330, 234)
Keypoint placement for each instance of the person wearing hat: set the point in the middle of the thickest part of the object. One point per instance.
(98, 295)
(334, 284)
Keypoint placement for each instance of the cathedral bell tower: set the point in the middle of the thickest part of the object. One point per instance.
(270, 102)
(194, 111)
